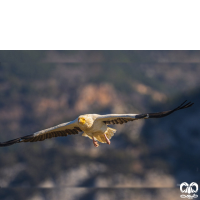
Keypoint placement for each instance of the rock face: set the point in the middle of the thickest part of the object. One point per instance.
(57, 87)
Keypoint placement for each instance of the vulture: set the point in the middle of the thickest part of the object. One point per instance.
(93, 126)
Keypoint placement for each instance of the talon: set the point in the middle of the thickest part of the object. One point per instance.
(107, 140)
(96, 144)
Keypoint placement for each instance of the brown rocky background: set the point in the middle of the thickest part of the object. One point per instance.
(146, 158)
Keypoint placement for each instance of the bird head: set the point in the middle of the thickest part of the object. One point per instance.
(81, 120)
(85, 121)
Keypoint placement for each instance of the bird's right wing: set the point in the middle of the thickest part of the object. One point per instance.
(64, 129)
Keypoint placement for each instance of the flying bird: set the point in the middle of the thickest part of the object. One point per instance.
(93, 126)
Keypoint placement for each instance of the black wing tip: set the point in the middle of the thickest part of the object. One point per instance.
(141, 116)
(17, 140)
(10, 142)
(185, 105)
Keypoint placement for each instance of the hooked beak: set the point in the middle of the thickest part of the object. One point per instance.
(81, 120)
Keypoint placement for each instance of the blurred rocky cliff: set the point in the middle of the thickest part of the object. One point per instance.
(40, 89)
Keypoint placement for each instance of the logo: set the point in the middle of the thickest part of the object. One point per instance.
(190, 190)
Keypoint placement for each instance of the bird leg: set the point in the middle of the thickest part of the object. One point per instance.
(107, 140)
(96, 144)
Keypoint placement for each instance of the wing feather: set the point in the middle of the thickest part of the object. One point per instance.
(69, 128)
(72, 127)
(116, 118)
(124, 118)
(165, 113)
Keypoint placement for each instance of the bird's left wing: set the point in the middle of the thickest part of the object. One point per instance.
(64, 129)
(116, 118)
(124, 118)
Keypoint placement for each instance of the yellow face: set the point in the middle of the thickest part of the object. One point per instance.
(81, 120)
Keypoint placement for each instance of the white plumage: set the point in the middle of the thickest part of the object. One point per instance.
(93, 126)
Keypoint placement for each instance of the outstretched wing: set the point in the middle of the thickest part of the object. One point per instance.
(165, 113)
(64, 129)
(116, 118)
(124, 118)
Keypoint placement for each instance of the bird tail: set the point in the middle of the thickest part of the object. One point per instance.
(109, 133)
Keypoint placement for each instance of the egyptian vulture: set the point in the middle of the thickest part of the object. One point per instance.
(93, 126)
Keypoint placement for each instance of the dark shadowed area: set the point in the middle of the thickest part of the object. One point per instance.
(147, 159)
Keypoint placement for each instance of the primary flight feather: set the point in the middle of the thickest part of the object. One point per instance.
(93, 126)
